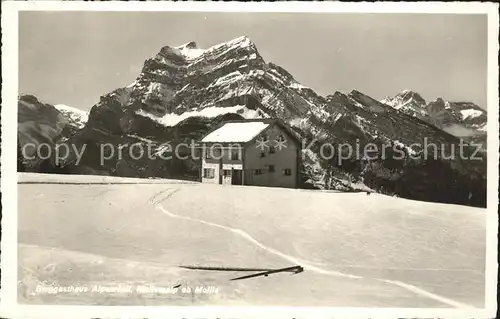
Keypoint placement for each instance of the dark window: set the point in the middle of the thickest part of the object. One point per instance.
(209, 152)
(227, 172)
(208, 173)
(271, 169)
(264, 137)
(271, 149)
(262, 154)
(258, 172)
(212, 152)
(235, 154)
(287, 172)
(206, 152)
(281, 138)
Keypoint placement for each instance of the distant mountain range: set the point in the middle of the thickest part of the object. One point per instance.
(183, 92)
(457, 118)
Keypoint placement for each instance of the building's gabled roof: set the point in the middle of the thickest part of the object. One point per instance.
(237, 131)
(244, 131)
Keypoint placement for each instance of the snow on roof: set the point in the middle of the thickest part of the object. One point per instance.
(236, 132)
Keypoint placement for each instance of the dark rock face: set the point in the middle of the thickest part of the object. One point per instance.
(38, 124)
(41, 128)
(184, 92)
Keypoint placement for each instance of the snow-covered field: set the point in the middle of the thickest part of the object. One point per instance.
(357, 250)
(29, 178)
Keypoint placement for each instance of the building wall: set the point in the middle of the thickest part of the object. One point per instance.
(286, 158)
(215, 167)
(222, 161)
(251, 160)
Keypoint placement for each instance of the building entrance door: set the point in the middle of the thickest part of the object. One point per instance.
(237, 177)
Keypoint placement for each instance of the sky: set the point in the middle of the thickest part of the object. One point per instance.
(73, 58)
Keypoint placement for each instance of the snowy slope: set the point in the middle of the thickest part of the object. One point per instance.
(76, 117)
(172, 119)
(438, 249)
(470, 113)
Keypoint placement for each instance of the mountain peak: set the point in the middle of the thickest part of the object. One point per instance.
(407, 95)
(28, 98)
(189, 45)
(355, 92)
(64, 107)
(76, 117)
(408, 100)
(439, 100)
(191, 51)
(241, 39)
(239, 42)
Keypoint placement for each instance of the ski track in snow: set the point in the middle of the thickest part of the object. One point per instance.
(308, 266)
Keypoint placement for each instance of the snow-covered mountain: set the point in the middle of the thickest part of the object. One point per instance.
(408, 102)
(227, 78)
(76, 117)
(185, 81)
(461, 119)
(184, 91)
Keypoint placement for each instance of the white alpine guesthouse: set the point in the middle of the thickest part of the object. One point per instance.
(262, 152)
